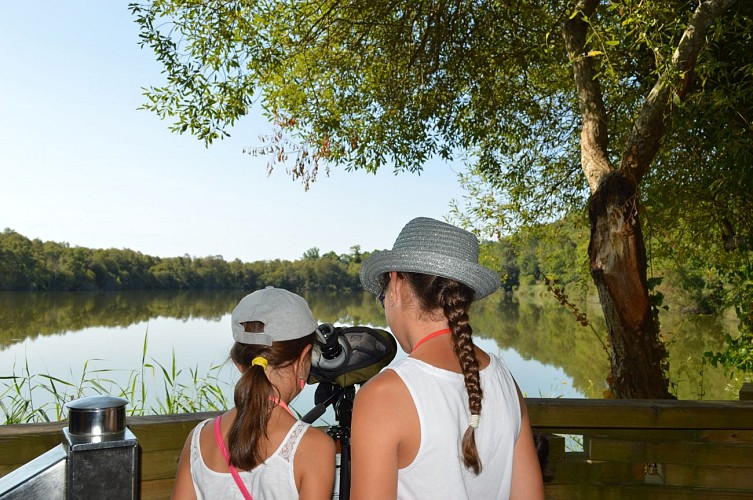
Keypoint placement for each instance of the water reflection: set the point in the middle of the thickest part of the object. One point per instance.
(536, 328)
(28, 315)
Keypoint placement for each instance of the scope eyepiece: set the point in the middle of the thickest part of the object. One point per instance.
(332, 350)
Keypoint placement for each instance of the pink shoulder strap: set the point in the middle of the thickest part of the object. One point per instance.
(226, 456)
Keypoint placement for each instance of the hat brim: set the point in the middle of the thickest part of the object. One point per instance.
(482, 280)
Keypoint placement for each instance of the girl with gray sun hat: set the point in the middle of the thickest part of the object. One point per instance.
(447, 421)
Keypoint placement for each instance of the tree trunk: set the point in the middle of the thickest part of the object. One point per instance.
(618, 267)
(616, 251)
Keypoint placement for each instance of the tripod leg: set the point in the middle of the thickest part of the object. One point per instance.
(345, 468)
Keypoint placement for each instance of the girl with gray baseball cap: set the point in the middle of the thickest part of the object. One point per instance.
(259, 449)
(448, 421)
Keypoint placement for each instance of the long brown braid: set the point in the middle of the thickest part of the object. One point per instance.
(454, 299)
(253, 392)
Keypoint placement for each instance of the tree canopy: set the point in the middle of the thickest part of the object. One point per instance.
(367, 83)
(635, 109)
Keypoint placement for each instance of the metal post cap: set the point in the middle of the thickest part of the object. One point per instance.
(96, 415)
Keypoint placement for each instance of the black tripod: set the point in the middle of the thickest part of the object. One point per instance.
(341, 399)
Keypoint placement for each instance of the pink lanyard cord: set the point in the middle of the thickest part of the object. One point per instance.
(226, 454)
(429, 337)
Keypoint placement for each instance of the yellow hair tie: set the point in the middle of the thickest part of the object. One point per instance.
(259, 361)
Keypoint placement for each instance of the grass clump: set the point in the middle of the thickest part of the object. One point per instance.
(27, 397)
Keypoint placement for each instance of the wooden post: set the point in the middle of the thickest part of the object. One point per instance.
(746, 392)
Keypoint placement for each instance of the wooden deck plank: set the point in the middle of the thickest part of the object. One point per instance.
(643, 492)
(709, 476)
(674, 452)
(639, 414)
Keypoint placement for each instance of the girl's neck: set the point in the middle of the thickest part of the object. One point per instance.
(283, 380)
(429, 337)
(282, 404)
(421, 330)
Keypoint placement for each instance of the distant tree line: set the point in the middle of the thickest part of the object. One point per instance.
(37, 265)
(555, 251)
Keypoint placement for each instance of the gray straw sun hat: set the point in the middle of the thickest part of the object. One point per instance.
(429, 246)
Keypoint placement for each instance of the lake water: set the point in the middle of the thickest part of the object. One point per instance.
(102, 336)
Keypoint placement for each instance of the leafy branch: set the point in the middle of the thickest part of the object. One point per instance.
(558, 290)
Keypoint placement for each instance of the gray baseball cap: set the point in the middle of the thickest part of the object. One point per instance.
(286, 316)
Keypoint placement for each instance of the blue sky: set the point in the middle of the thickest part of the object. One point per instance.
(79, 163)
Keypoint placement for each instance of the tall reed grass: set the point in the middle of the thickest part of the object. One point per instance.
(27, 397)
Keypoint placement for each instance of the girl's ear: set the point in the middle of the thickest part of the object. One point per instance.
(398, 286)
(303, 358)
(306, 351)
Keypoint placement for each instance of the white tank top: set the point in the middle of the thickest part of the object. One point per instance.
(442, 405)
(272, 479)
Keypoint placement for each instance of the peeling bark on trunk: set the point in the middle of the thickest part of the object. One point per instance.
(618, 267)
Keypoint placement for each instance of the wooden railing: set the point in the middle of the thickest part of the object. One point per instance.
(614, 449)
(647, 449)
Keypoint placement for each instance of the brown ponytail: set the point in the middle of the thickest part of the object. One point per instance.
(254, 393)
(454, 299)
